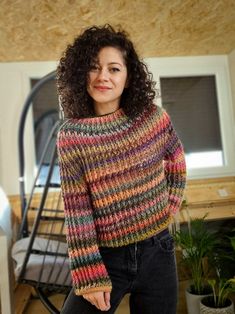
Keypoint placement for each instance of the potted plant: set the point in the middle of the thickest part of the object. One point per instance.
(222, 288)
(219, 303)
(196, 243)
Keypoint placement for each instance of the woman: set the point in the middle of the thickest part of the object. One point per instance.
(122, 177)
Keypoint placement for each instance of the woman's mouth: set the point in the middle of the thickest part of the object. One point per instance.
(102, 88)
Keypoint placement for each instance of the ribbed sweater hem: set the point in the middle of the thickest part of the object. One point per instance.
(132, 238)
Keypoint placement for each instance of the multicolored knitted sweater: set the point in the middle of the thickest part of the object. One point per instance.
(121, 182)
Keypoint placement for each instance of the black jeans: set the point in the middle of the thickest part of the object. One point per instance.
(146, 270)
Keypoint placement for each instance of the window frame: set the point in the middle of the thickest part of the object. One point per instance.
(203, 66)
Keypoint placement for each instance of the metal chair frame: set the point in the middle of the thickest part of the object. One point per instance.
(52, 217)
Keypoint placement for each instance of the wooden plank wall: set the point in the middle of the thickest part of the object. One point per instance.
(215, 197)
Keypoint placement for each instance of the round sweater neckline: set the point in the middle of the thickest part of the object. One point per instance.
(108, 117)
(105, 114)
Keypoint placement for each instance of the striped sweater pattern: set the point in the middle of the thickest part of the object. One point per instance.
(122, 180)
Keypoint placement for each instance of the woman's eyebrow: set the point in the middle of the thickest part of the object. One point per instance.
(115, 63)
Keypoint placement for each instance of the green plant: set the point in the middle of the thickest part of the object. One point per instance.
(232, 241)
(197, 244)
(221, 288)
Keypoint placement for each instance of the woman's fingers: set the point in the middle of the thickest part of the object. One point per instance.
(99, 299)
(107, 298)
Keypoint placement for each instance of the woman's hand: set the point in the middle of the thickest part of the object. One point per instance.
(100, 299)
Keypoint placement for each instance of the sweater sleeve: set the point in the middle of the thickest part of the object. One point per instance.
(88, 271)
(174, 166)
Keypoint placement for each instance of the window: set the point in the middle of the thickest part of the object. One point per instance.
(193, 106)
(196, 93)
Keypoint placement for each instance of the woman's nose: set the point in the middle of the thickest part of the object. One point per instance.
(103, 74)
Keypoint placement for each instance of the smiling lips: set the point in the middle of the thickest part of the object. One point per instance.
(102, 88)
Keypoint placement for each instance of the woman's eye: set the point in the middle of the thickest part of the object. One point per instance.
(94, 68)
(114, 70)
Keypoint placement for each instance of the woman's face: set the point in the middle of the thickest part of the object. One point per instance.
(107, 79)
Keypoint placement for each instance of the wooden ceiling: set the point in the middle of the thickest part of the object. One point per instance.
(33, 30)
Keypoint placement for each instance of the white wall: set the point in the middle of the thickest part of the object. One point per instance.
(231, 62)
(14, 88)
(5, 216)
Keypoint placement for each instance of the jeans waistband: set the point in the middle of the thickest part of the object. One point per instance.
(152, 240)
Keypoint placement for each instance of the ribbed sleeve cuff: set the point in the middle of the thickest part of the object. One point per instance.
(91, 278)
(91, 288)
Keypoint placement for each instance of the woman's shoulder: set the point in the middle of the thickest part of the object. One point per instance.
(69, 129)
(157, 112)
(70, 125)
(157, 115)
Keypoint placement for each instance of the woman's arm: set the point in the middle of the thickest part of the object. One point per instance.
(87, 268)
(174, 165)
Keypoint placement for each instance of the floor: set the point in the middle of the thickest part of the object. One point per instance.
(35, 306)
(26, 303)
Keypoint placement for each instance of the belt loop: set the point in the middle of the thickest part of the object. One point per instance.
(154, 239)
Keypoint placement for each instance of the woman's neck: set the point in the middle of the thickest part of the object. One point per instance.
(102, 110)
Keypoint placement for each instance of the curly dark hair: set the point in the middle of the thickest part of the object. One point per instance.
(77, 60)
